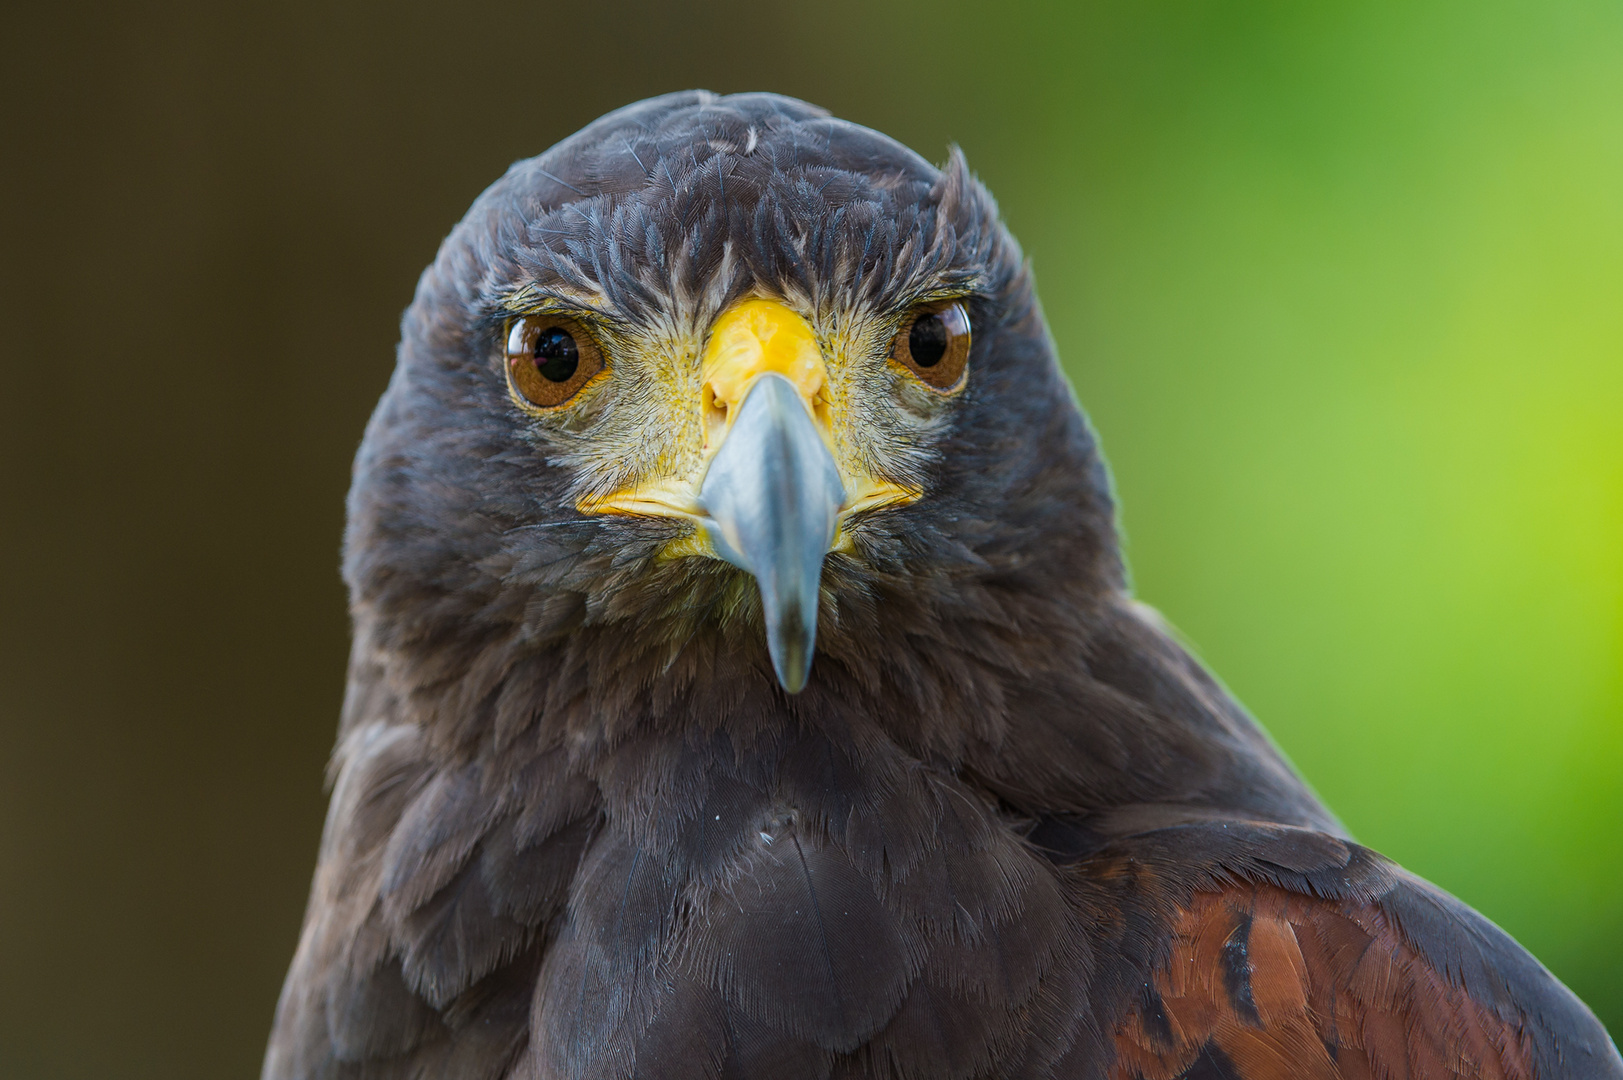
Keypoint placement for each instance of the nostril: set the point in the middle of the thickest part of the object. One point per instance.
(821, 410)
(715, 417)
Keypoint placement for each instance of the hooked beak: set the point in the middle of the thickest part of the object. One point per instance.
(772, 500)
(769, 495)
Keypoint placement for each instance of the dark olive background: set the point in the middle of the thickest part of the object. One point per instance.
(1342, 286)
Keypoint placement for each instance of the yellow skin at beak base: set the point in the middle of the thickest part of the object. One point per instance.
(748, 340)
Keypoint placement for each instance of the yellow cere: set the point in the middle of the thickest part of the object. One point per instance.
(749, 340)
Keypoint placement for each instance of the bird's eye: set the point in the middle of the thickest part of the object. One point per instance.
(549, 359)
(934, 345)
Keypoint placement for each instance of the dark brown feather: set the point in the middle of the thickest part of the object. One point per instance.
(1289, 986)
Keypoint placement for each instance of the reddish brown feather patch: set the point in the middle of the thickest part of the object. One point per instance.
(1290, 987)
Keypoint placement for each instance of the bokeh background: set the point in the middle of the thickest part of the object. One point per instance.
(1340, 284)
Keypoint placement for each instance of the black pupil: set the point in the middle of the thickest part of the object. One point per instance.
(556, 355)
(927, 341)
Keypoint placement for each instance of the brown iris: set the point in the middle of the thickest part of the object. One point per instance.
(549, 359)
(934, 345)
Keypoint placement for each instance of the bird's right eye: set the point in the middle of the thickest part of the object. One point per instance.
(549, 360)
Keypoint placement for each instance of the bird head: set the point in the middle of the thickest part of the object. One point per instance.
(721, 383)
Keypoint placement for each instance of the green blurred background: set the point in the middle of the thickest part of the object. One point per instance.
(1341, 286)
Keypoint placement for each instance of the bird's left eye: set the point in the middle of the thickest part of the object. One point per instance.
(934, 345)
(549, 359)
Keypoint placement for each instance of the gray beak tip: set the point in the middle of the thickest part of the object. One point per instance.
(792, 670)
(790, 643)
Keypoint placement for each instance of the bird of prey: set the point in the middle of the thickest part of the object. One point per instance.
(745, 684)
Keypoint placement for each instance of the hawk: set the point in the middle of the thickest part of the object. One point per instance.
(745, 682)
